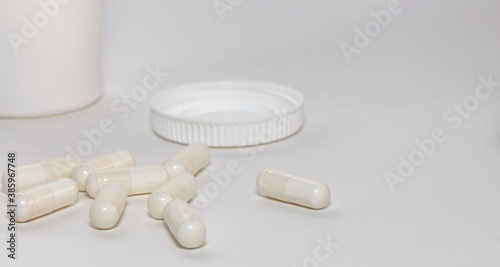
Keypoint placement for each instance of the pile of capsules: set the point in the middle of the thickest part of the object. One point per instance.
(43, 187)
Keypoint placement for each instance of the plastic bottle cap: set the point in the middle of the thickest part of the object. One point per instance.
(227, 113)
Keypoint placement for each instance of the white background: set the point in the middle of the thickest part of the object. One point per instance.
(360, 118)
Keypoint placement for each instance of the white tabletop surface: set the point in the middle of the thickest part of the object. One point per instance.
(362, 117)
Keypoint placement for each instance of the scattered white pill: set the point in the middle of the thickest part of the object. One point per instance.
(293, 188)
(40, 172)
(182, 186)
(80, 171)
(136, 180)
(108, 205)
(184, 224)
(191, 159)
(44, 198)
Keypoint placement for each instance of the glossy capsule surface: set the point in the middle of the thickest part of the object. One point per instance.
(289, 187)
(184, 224)
(108, 205)
(40, 172)
(190, 159)
(136, 180)
(182, 186)
(117, 159)
(42, 199)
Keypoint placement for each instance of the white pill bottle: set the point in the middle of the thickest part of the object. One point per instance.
(50, 56)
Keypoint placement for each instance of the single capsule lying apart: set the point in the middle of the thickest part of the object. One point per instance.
(293, 188)
(44, 198)
(80, 171)
(40, 172)
(184, 224)
(182, 186)
(191, 159)
(136, 180)
(108, 205)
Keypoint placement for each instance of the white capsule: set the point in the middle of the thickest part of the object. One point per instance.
(40, 172)
(117, 159)
(184, 224)
(182, 186)
(136, 180)
(293, 188)
(108, 205)
(191, 159)
(44, 198)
